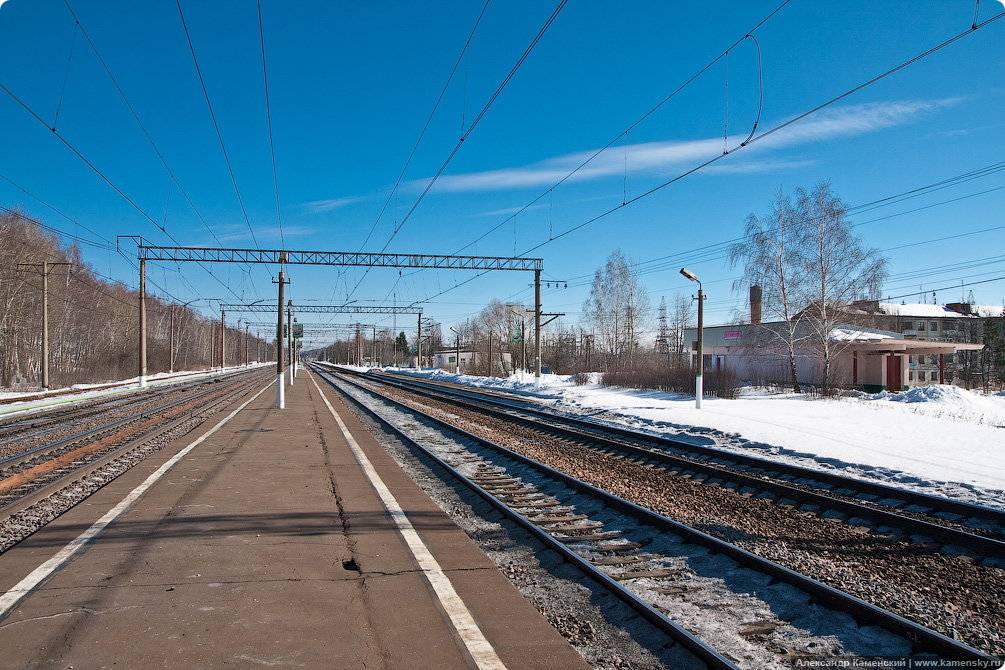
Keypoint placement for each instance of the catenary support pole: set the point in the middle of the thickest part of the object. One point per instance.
(537, 327)
(289, 340)
(143, 323)
(223, 337)
(45, 326)
(280, 382)
(171, 343)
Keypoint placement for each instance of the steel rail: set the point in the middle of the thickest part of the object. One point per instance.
(708, 460)
(923, 639)
(53, 417)
(703, 652)
(12, 461)
(46, 490)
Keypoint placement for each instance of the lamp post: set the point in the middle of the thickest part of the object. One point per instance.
(701, 354)
(457, 351)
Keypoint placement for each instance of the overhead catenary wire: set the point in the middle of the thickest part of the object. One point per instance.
(98, 172)
(268, 114)
(212, 115)
(765, 134)
(474, 124)
(136, 117)
(425, 127)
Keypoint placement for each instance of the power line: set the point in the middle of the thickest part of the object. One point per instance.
(268, 114)
(638, 121)
(219, 136)
(140, 124)
(765, 134)
(101, 174)
(471, 128)
(429, 120)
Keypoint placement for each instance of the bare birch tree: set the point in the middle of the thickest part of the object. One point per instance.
(618, 309)
(772, 256)
(837, 267)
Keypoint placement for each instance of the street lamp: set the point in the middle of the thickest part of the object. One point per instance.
(701, 354)
(457, 351)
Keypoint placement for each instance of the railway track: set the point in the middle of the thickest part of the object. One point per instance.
(698, 583)
(28, 429)
(88, 459)
(944, 524)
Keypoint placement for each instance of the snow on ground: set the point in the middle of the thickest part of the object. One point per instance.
(941, 440)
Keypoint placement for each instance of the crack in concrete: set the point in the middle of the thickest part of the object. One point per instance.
(350, 563)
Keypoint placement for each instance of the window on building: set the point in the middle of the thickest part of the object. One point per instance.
(910, 375)
(933, 326)
(921, 375)
(921, 325)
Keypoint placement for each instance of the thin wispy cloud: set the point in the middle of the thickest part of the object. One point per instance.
(667, 157)
(328, 205)
(511, 210)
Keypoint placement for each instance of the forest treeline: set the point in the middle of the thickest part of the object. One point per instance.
(93, 323)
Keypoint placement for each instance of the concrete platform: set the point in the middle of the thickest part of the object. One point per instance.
(269, 544)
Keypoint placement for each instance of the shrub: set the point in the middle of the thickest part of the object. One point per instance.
(718, 382)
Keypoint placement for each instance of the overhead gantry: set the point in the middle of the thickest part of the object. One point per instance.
(283, 257)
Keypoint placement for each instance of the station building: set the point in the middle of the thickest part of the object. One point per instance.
(882, 347)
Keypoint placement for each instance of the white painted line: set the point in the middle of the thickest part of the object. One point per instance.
(480, 649)
(24, 588)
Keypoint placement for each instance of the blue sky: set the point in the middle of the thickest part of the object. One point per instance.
(351, 86)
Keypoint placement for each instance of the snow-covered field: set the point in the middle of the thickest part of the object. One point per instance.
(941, 440)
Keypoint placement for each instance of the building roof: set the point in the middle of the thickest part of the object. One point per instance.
(917, 310)
(923, 311)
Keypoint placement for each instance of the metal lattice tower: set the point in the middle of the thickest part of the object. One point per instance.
(663, 333)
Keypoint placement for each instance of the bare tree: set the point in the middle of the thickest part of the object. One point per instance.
(617, 309)
(837, 267)
(772, 256)
(681, 317)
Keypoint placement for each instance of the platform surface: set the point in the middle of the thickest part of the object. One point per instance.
(268, 545)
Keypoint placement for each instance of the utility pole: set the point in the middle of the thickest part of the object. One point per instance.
(280, 382)
(537, 327)
(143, 323)
(223, 337)
(44, 266)
(246, 335)
(457, 351)
(289, 341)
(171, 344)
(418, 346)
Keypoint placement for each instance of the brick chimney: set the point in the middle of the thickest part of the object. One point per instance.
(755, 304)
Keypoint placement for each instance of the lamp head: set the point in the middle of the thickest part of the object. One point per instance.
(687, 273)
